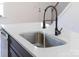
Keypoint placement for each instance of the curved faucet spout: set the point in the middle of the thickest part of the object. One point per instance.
(57, 32)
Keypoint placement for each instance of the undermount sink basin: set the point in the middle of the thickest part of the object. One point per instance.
(39, 39)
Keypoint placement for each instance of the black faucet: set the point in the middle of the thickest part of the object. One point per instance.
(57, 32)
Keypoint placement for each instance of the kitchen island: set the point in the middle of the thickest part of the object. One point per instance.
(71, 47)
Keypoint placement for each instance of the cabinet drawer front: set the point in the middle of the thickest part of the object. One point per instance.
(18, 47)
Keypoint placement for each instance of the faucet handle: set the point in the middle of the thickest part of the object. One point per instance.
(57, 32)
(61, 29)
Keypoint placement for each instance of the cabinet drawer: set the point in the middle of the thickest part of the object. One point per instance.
(18, 47)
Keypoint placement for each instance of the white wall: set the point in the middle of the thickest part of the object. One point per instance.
(18, 12)
(61, 6)
(70, 17)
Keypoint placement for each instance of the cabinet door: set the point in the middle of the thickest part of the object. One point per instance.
(12, 53)
(17, 48)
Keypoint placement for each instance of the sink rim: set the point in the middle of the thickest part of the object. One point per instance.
(45, 34)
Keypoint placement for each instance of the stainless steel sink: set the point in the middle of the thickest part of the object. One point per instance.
(42, 40)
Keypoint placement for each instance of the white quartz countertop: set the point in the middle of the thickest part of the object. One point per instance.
(71, 47)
